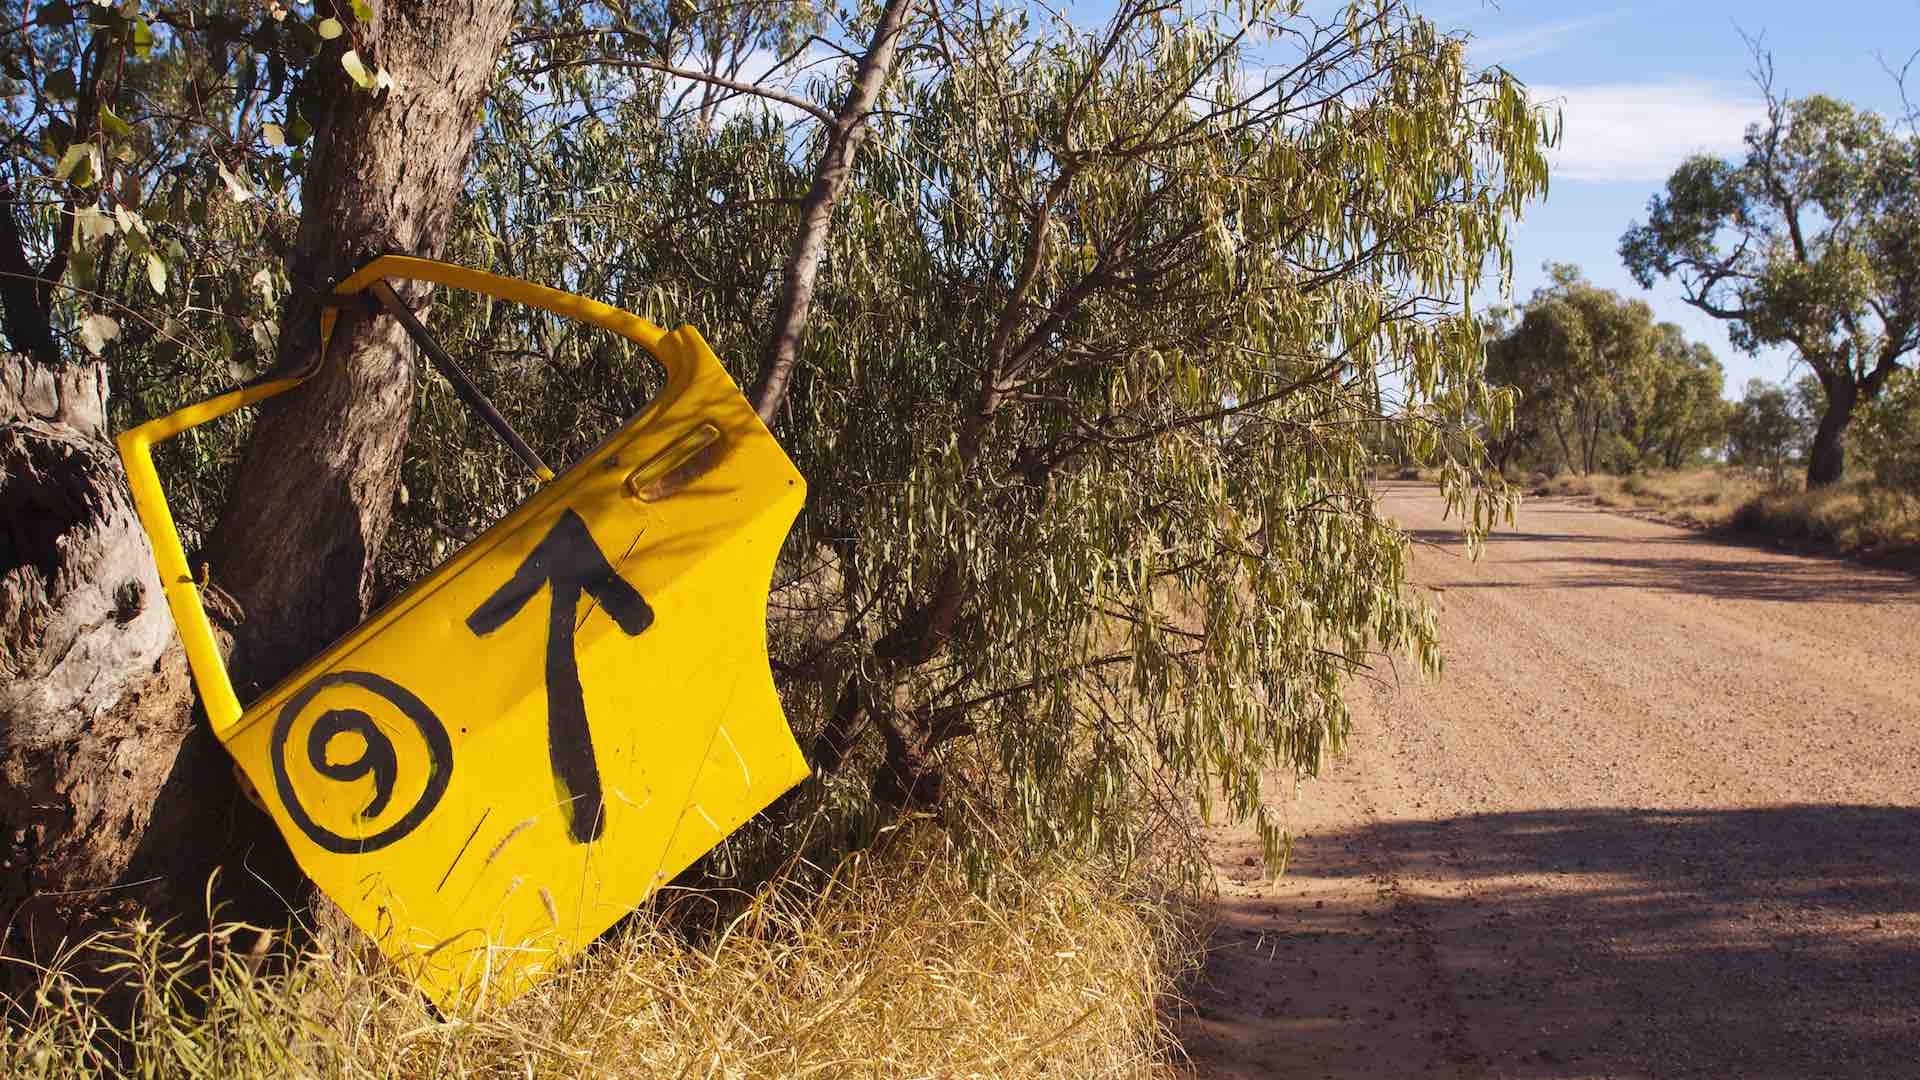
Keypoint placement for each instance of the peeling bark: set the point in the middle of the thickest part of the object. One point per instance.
(95, 701)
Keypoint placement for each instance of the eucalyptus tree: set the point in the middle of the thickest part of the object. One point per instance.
(1103, 328)
(1811, 240)
(194, 177)
(1107, 332)
(171, 156)
(1529, 381)
(1577, 347)
(1084, 401)
(185, 182)
(1672, 408)
(1889, 434)
(1763, 429)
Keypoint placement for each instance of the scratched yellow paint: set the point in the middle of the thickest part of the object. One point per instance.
(428, 769)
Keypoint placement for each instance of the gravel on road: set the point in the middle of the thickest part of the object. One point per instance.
(1660, 817)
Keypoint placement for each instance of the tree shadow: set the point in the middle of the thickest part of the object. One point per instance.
(1718, 570)
(1795, 581)
(1778, 941)
(1451, 537)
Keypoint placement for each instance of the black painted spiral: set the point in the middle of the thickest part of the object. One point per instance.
(378, 758)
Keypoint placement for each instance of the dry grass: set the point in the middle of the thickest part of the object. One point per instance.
(895, 968)
(1855, 518)
(1691, 496)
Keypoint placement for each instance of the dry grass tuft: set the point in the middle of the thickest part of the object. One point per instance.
(1855, 517)
(895, 968)
(1689, 496)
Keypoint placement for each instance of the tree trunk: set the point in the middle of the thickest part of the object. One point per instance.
(96, 727)
(830, 177)
(1560, 433)
(1502, 451)
(314, 492)
(1827, 459)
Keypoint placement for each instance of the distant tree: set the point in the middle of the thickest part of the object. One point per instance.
(1510, 366)
(1670, 407)
(1812, 240)
(1574, 345)
(1807, 401)
(1763, 429)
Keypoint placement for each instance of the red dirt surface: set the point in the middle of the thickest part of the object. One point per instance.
(1659, 818)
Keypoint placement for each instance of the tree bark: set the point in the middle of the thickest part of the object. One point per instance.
(1827, 458)
(92, 681)
(314, 493)
(97, 734)
(816, 212)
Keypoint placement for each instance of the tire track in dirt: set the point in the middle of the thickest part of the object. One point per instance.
(1660, 818)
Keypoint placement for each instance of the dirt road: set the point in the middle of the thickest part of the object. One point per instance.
(1660, 818)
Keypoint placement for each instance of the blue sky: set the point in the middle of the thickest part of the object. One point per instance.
(1642, 85)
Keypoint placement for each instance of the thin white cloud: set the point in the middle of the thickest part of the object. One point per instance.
(1638, 132)
(1522, 44)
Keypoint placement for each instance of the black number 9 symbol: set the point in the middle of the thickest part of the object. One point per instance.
(377, 759)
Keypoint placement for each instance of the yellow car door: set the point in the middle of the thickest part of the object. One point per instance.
(523, 746)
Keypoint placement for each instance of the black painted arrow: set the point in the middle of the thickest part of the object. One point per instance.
(569, 563)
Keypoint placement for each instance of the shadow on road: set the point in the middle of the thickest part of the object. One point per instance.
(1662, 563)
(1795, 581)
(1771, 942)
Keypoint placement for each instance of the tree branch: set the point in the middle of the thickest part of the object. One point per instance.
(721, 81)
(22, 301)
(830, 177)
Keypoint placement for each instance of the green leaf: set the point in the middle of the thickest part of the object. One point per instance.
(329, 29)
(356, 70)
(363, 11)
(298, 130)
(142, 39)
(113, 125)
(156, 274)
